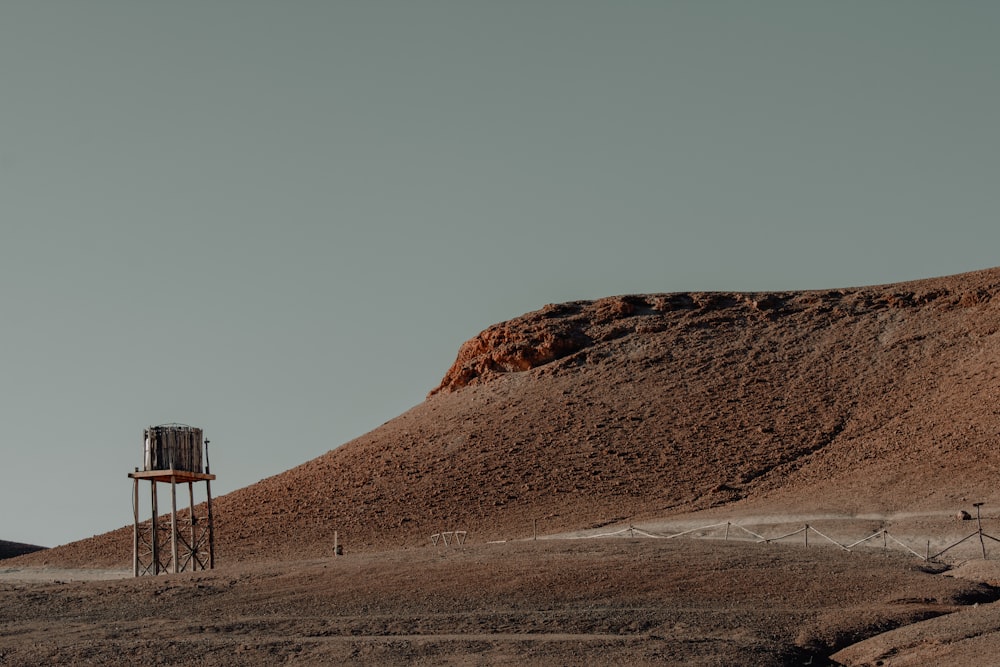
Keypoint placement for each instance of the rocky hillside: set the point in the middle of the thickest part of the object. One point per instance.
(580, 414)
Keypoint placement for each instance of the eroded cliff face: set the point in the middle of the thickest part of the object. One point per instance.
(558, 331)
(562, 330)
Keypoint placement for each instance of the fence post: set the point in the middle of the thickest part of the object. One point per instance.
(727, 531)
(979, 523)
(807, 535)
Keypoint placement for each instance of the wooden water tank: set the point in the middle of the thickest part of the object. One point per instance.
(173, 447)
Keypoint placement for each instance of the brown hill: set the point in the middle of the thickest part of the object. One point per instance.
(580, 414)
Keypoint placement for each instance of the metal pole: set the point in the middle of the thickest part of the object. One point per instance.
(979, 523)
(154, 531)
(211, 526)
(211, 522)
(193, 558)
(173, 524)
(135, 525)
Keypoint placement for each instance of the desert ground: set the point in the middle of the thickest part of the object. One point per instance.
(598, 601)
(693, 590)
(740, 415)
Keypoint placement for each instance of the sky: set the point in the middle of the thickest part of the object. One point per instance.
(278, 221)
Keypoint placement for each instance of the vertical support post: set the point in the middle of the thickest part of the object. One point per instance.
(534, 529)
(173, 524)
(154, 532)
(135, 526)
(979, 523)
(335, 545)
(211, 523)
(727, 531)
(807, 534)
(193, 544)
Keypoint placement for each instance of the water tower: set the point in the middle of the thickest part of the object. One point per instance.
(173, 454)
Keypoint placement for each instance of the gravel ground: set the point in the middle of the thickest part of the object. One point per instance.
(620, 601)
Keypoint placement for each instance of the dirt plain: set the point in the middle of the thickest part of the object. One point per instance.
(581, 602)
(866, 407)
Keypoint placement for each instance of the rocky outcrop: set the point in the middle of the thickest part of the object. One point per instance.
(561, 330)
(514, 346)
(558, 331)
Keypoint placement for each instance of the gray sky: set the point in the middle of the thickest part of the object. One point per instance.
(279, 220)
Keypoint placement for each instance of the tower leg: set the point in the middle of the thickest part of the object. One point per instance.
(193, 557)
(211, 526)
(173, 525)
(135, 527)
(154, 532)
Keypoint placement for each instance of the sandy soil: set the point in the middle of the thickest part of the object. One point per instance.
(605, 601)
(59, 575)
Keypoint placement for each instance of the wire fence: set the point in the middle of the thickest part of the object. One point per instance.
(712, 531)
